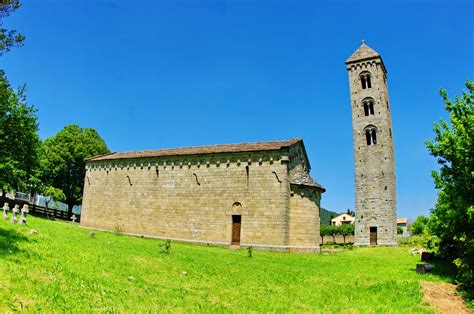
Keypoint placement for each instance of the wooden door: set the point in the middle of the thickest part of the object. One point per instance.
(373, 235)
(236, 221)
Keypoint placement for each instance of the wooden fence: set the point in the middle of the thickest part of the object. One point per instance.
(36, 210)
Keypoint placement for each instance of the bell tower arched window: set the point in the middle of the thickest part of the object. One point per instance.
(368, 106)
(370, 132)
(365, 80)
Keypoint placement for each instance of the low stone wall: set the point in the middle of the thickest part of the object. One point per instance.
(339, 239)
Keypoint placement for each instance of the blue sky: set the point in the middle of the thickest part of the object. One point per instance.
(159, 74)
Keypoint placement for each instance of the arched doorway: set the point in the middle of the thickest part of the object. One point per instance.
(236, 223)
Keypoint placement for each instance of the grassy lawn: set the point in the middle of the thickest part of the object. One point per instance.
(62, 268)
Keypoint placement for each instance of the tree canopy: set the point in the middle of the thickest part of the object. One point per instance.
(346, 230)
(19, 141)
(64, 160)
(452, 219)
(9, 38)
(418, 226)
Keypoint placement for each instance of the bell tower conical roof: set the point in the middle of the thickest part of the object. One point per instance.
(363, 52)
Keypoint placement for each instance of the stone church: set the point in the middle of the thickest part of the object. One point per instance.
(258, 194)
(374, 163)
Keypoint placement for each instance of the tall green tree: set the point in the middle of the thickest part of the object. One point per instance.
(9, 38)
(418, 226)
(19, 141)
(64, 160)
(452, 219)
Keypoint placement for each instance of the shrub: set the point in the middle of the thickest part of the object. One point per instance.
(118, 230)
(165, 247)
(425, 241)
(250, 251)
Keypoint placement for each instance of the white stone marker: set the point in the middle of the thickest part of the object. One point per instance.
(15, 211)
(73, 218)
(6, 208)
(24, 210)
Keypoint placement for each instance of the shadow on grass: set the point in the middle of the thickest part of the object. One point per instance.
(441, 268)
(446, 270)
(10, 240)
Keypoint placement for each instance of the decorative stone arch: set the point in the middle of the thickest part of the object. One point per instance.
(370, 133)
(237, 208)
(372, 221)
(368, 104)
(183, 162)
(365, 79)
(222, 161)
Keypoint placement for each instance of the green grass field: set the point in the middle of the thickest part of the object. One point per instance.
(62, 268)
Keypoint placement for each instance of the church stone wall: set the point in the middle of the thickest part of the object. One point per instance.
(304, 219)
(193, 199)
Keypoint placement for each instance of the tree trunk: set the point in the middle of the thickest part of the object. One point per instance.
(69, 210)
(4, 193)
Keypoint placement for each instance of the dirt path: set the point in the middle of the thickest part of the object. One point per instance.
(443, 297)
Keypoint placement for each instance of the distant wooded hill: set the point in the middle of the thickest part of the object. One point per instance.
(326, 216)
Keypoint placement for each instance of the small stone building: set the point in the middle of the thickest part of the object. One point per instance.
(403, 224)
(258, 194)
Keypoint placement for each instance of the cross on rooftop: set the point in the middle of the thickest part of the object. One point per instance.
(363, 41)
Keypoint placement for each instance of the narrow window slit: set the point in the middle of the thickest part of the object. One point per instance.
(247, 171)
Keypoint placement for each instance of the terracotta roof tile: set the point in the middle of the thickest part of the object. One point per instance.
(199, 150)
(402, 220)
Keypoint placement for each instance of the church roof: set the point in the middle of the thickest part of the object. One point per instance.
(200, 150)
(363, 52)
(303, 178)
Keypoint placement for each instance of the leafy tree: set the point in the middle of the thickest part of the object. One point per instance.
(9, 38)
(346, 230)
(418, 226)
(64, 157)
(324, 231)
(53, 194)
(452, 219)
(399, 230)
(19, 141)
(333, 231)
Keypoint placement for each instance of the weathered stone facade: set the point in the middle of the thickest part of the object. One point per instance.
(192, 194)
(375, 193)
